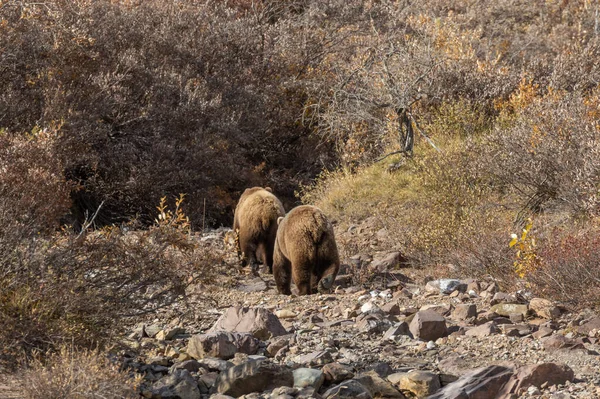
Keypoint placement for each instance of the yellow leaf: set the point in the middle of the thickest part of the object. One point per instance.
(513, 241)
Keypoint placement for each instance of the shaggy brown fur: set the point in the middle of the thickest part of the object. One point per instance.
(305, 250)
(255, 221)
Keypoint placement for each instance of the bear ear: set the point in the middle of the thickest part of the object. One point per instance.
(279, 219)
(268, 189)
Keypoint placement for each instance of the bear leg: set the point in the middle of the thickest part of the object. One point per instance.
(302, 277)
(268, 260)
(282, 274)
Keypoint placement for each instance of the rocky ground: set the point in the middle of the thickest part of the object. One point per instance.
(397, 336)
(385, 332)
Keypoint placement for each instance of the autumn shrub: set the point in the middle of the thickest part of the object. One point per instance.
(78, 288)
(78, 374)
(568, 266)
(156, 98)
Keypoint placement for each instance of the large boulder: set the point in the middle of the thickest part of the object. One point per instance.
(259, 322)
(537, 375)
(377, 386)
(253, 376)
(180, 384)
(428, 326)
(222, 345)
(419, 383)
(544, 308)
(483, 383)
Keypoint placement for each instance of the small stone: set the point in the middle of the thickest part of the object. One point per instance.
(464, 311)
(306, 377)
(285, 314)
(391, 308)
(419, 383)
(377, 386)
(443, 309)
(557, 341)
(428, 326)
(396, 330)
(336, 372)
(536, 375)
(253, 377)
(221, 344)
(506, 309)
(542, 332)
(179, 384)
(317, 358)
(370, 307)
(349, 389)
(516, 318)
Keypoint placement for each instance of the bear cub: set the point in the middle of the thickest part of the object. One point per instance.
(255, 222)
(305, 250)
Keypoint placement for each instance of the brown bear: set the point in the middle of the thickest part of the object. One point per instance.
(305, 250)
(255, 221)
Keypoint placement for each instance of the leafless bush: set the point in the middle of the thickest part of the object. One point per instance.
(549, 156)
(78, 374)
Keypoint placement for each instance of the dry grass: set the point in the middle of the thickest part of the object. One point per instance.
(77, 374)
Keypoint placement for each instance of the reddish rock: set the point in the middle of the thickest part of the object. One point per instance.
(428, 326)
(464, 311)
(336, 372)
(544, 308)
(538, 375)
(387, 262)
(443, 309)
(593, 324)
(221, 344)
(259, 322)
(391, 308)
(542, 333)
(557, 341)
(484, 330)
